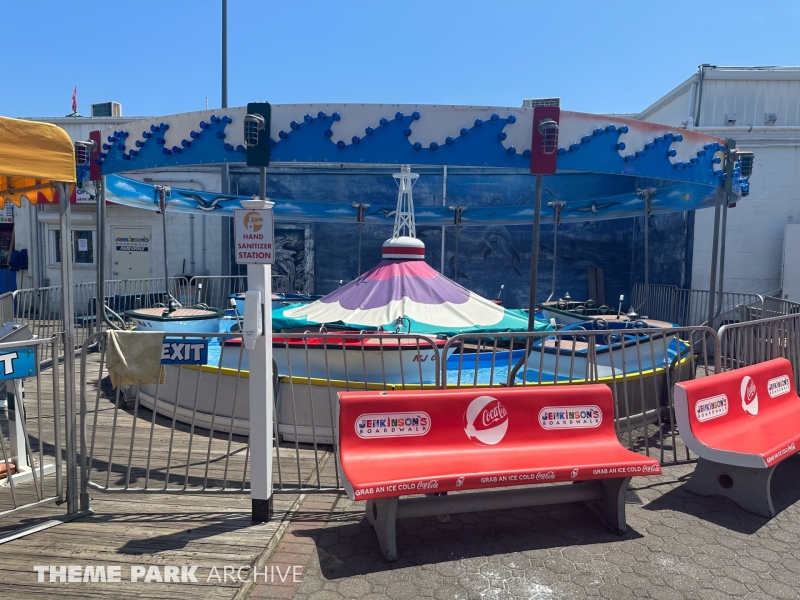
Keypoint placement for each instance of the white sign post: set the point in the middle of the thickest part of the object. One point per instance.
(254, 233)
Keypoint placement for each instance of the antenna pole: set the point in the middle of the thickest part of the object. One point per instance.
(404, 213)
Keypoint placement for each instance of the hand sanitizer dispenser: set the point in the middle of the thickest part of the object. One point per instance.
(252, 326)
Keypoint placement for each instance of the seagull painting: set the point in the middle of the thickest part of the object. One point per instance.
(207, 205)
(593, 208)
(386, 212)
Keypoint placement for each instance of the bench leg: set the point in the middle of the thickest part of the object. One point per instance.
(382, 515)
(748, 487)
(610, 507)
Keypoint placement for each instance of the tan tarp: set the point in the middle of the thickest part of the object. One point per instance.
(32, 155)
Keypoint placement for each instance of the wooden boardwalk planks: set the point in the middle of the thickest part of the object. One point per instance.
(133, 528)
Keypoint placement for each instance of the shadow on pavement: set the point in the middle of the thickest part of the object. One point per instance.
(727, 514)
(348, 545)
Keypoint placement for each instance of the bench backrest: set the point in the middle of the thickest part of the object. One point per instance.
(711, 406)
(465, 419)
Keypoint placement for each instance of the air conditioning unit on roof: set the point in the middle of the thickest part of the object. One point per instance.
(107, 109)
(531, 102)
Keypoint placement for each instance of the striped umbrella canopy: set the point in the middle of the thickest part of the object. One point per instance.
(403, 286)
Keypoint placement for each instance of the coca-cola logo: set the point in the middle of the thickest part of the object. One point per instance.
(749, 396)
(494, 415)
(486, 421)
(428, 485)
(546, 476)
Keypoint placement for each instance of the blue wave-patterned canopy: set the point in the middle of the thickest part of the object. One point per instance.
(686, 167)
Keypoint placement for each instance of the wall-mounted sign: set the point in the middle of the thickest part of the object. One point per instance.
(18, 363)
(126, 243)
(83, 197)
(7, 214)
(178, 351)
(255, 236)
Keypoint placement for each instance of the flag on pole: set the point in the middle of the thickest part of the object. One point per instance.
(75, 100)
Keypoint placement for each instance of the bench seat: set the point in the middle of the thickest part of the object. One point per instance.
(478, 469)
(741, 424)
(413, 443)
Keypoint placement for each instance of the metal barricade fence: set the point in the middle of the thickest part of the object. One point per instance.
(40, 308)
(7, 307)
(216, 290)
(31, 435)
(190, 433)
(689, 308)
(639, 365)
(776, 307)
(744, 344)
(654, 300)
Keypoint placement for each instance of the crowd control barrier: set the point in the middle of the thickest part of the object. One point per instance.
(34, 440)
(639, 365)
(190, 433)
(689, 308)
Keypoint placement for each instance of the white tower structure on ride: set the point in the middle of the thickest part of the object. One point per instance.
(404, 214)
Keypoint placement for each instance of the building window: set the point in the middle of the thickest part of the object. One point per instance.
(82, 247)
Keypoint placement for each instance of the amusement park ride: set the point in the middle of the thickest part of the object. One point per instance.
(609, 168)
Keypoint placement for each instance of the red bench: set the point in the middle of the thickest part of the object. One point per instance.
(394, 444)
(741, 424)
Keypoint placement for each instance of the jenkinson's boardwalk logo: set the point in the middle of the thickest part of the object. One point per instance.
(570, 417)
(401, 424)
(711, 408)
(778, 386)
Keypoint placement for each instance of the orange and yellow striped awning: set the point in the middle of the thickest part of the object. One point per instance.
(33, 157)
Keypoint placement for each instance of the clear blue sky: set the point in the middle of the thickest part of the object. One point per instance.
(163, 56)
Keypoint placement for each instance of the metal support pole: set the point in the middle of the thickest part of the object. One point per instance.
(457, 212)
(162, 202)
(100, 250)
(712, 296)
(647, 194)
(360, 223)
(225, 186)
(557, 207)
(259, 277)
(722, 237)
(68, 318)
(166, 255)
(537, 219)
(444, 228)
(16, 433)
(101, 312)
(455, 256)
(224, 53)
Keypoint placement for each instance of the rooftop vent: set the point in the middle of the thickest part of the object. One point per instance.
(531, 102)
(107, 109)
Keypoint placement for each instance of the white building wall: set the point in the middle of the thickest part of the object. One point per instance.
(675, 112)
(750, 99)
(754, 246)
(755, 231)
